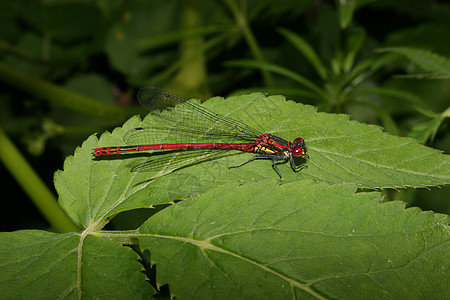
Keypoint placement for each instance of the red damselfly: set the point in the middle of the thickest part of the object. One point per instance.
(186, 121)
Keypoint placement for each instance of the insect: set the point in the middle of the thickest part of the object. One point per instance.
(184, 121)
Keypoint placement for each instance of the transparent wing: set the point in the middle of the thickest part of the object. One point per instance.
(182, 118)
(165, 135)
(167, 162)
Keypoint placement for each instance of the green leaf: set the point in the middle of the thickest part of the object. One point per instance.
(298, 92)
(428, 130)
(410, 98)
(248, 63)
(347, 9)
(91, 85)
(354, 43)
(385, 118)
(43, 265)
(425, 59)
(303, 47)
(296, 241)
(94, 190)
(272, 239)
(91, 194)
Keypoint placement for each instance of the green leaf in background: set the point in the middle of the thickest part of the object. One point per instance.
(298, 241)
(92, 85)
(354, 44)
(427, 60)
(140, 20)
(428, 130)
(346, 11)
(318, 93)
(303, 47)
(43, 265)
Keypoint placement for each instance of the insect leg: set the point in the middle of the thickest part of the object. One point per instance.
(274, 158)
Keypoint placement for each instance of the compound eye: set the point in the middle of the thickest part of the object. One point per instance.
(299, 141)
(297, 152)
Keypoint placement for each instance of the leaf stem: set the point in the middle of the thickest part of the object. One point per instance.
(241, 20)
(191, 77)
(53, 93)
(33, 186)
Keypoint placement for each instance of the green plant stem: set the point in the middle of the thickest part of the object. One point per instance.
(250, 39)
(247, 63)
(33, 186)
(169, 71)
(53, 93)
(191, 78)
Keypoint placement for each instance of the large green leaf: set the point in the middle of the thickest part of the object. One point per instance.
(42, 265)
(93, 190)
(298, 241)
(276, 238)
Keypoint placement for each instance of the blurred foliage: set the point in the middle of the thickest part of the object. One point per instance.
(71, 68)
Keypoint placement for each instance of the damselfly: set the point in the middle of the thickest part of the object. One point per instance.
(184, 121)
